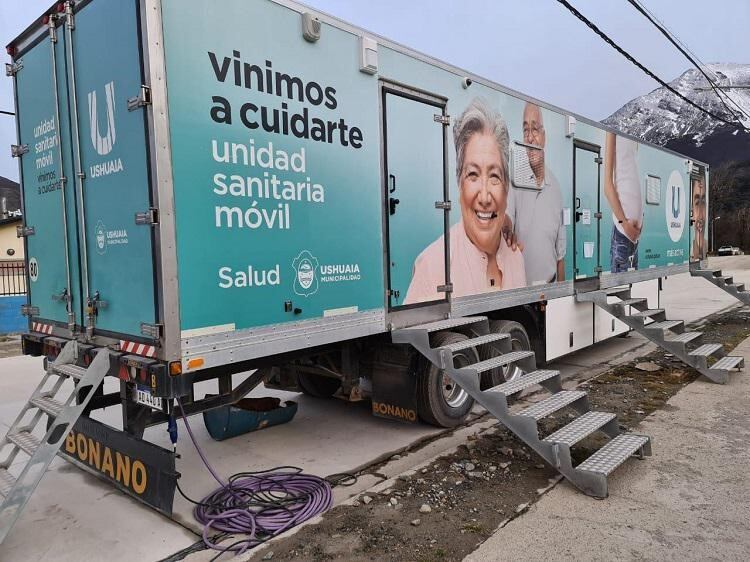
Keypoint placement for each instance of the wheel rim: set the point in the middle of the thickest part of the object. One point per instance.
(512, 372)
(454, 395)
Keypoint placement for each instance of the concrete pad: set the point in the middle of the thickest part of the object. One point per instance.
(690, 501)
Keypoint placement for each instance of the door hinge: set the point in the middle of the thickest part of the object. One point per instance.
(62, 296)
(598, 269)
(445, 205)
(153, 331)
(141, 100)
(12, 68)
(448, 288)
(597, 215)
(17, 150)
(22, 231)
(598, 159)
(28, 310)
(150, 217)
(442, 119)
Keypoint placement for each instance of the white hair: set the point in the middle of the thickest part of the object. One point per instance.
(478, 117)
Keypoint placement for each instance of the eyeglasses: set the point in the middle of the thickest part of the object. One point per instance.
(532, 131)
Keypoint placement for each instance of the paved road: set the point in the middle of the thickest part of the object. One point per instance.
(72, 516)
(690, 501)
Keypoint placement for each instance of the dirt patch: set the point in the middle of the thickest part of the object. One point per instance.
(491, 479)
(10, 346)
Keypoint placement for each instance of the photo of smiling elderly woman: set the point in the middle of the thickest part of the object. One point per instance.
(480, 258)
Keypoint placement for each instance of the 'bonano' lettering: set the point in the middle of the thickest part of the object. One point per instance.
(128, 472)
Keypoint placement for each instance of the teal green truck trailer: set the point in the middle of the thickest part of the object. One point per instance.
(211, 188)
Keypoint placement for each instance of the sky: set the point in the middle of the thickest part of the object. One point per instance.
(534, 46)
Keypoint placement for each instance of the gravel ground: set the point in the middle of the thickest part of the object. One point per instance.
(445, 510)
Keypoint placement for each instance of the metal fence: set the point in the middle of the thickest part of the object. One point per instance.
(12, 278)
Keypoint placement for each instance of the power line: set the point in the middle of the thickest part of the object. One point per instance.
(632, 59)
(688, 55)
(6, 112)
(703, 65)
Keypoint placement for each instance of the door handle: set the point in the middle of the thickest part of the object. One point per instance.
(392, 182)
(578, 202)
(578, 216)
(392, 202)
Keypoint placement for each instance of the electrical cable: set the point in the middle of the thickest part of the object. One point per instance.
(257, 505)
(7, 113)
(648, 72)
(703, 64)
(688, 55)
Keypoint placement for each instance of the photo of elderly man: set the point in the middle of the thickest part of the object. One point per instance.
(622, 188)
(480, 257)
(698, 249)
(537, 214)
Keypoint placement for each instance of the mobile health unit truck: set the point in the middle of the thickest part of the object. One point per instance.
(213, 188)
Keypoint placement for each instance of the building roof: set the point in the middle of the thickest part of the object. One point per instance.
(12, 192)
(10, 220)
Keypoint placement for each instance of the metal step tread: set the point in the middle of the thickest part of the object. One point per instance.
(447, 324)
(665, 325)
(727, 279)
(707, 271)
(630, 302)
(580, 428)
(613, 454)
(500, 361)
(685, 337)
(552, 404)
(6, 482)
(728, 362)
(25, 440)
(474, 342)
(535, 377)
(739, 287)
(647, 313)
(614, 291)
(48, 404)
(69, 370)
(706, 349)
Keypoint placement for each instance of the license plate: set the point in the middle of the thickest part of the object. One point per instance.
(144, 396)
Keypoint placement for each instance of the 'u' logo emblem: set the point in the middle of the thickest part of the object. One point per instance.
(675, 201)
(103, 144)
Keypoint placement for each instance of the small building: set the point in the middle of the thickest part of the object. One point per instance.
(11, 247)
(12, 269)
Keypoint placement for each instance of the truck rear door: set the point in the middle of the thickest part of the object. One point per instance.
(105, 71)
(48, 182)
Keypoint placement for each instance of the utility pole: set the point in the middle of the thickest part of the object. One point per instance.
(713, 234)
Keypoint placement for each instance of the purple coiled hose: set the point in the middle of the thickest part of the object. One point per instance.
(259, 505)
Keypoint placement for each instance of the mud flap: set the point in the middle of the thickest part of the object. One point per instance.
(141, 469)
(394, 394)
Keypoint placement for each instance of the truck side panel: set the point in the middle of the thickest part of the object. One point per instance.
(271, 227)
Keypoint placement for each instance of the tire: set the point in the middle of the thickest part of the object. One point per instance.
(519, 341)
(318, 385)
(440, 401)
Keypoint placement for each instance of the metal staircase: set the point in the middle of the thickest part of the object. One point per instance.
(710, 359)
(39, 451)
(725, 282)
(590, 476)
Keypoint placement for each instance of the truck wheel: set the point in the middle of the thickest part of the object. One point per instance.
(519, 341)
(440, 401)
(318, 385)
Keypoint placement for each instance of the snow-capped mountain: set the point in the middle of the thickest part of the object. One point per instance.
(660, 116)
